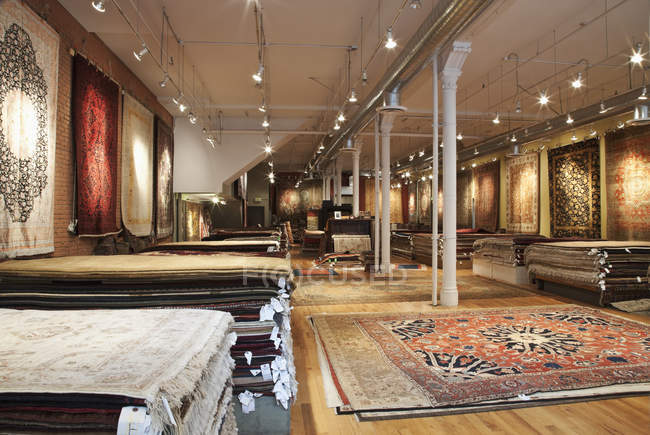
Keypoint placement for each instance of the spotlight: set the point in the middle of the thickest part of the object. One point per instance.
(353, 95)
(423, 178)
(496, 119)
(399, 185)
(164, 81)
(266, 122)
(574, 137)
(593, 132)
(411, 157)
(364, 77)
(462, 168)
(259, 75)
(569, 120)
(341, 117)
(192, 117)
(271, 175)
(262, 107)
(407, 174)
(430, 177)
(182, 107)
(518, 107)
(421, 153)
(210, 139)
(177, 99)
(390, 42)
(204, 130)
(476, 151)
(268, 149)
(398, 165)
(473, 165)
(603, 109)
(513, 138)
(271, 164)
(138, 54)
(644, 94)
(459, 136)
(415, 4)
(577, 83)
(337, 126)
(637, 55)
(494, 159)
(322, 147)
(620, 124)
(442, 145)
(99, 5)
(543, 99)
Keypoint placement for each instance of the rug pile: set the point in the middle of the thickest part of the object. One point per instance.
(391, 365)
(81, 371)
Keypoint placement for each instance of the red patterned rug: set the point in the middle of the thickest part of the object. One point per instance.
(383, 362)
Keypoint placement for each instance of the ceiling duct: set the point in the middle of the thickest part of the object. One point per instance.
(445, 22)
(640, 115)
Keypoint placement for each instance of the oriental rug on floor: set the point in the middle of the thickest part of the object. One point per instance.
(390, 365)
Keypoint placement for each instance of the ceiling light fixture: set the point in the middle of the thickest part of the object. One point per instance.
(569, 120)
(407, 174)
(271, 164)
(462, 168)
(421, 153)
(637, 55)
(353, 95)
(415, 4)
(442, 145)
(603, 109)
(543, 99)
(182, 107)
(574, 137)
(513, 138)
(210, 141)
(341, 117)
(364, 77)
(475, 151)
(99, 5)
(644, 94)
(390, 42)
(474, 165)
(620, 124)
(577, 83)
(266, 123)
(518, 106)
(496, 119)
(593, 132)
(192, 117)
(268, 149)
(337, 126)
(459, 136)
(259, 75)
(411, 157)
(164, 81)
(262, 107)
(139, 54)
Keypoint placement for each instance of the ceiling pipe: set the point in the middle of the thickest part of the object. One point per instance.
(445, 22)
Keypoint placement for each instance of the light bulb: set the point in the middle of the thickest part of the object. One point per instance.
(341, 117)
(569, 120)
(164, 81)
(476, 151)
(603, 109)
(337, 126)
(644, 94)
(473, 165)
(266, 122)
(353, 96)
(577, 83)
(574, 137)
(262, 108)
(182, 107)
(496, 119)
(637, 55)
(459, 136)
(518, 107)
(421, 153)
(259, 75)
(513, 138)
(191, 117)
(99, 5)
(268, 149)
(462, 168)
(593, 132)
(390, 42)
(139, 54)
(543, 99)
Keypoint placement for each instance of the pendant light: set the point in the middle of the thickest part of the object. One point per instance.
(140, 53)
(390, 42)
(99, 5)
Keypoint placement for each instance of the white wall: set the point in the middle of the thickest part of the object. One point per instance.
(200, 168)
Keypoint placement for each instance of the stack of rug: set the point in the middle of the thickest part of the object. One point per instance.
(348, 260)
(400, 365)
(312, 240)
(98, 371)
(245, 233)
(263, 248)
(401, 244)
(255, 290)
(353, 243)
(610, 270)
(464, 247)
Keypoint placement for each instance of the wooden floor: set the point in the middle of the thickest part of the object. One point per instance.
(310, 415)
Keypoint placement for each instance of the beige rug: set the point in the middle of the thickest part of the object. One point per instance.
(639, 306)
(413, 288)
(182, 356)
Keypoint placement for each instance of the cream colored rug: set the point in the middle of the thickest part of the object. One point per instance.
(178, 356)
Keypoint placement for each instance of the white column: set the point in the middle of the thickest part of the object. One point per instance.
(376, 211)
(324, 190)
(434, 182)
(386, 126)
(355, 182)
(338, 182)
(450, 74)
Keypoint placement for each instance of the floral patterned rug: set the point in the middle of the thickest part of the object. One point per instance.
(447, 359)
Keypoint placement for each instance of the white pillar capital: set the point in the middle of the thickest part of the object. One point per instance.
(387, 119)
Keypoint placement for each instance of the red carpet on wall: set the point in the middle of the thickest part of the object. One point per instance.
(522, 194)
(486, 195)
(464, 199)
(628, 184)
(95, 100)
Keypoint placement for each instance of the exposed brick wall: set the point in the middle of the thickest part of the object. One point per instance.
(73, 37)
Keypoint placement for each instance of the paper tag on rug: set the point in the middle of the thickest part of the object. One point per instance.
(274, 333)
(247, 402)
(255, 372)
(249, 356)
(266, 372)
(282, 283)
(266, 312)
(277, 305)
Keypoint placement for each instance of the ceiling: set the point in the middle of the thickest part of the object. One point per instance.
(306, 63)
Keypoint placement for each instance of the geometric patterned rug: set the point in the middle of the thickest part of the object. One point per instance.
(455, 359)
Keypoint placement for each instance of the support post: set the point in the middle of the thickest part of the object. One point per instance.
(450, 74)
(434, 183)
(355, 181)
(386, 126)
(338, 182)
(377, 230)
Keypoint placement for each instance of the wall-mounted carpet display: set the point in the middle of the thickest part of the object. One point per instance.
(574, 190)
(396, 209)
(627, 155)
(164, 181)
(137, 167)
(193, 218)
(486, 196)
(292, 202)
(413, 204)
(464, 199)
(522, 194)
(95, 100)
(424, 199)
(29, 66)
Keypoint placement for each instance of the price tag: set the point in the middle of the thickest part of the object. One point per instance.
(266, 312)
(249, 356)
(266, 372)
